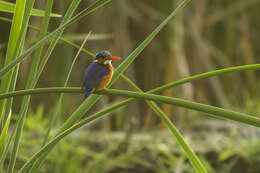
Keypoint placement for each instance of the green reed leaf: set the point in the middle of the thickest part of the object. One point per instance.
(10, 8)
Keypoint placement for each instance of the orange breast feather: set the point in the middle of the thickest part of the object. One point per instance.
(106, 79)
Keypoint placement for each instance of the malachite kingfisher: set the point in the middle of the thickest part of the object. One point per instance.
(99, 73)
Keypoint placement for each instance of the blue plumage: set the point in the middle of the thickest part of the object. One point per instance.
(93, 76)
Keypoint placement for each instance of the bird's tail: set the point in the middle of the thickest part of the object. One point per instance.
(87, 92)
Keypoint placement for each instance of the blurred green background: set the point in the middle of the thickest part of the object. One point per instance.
(207, 35)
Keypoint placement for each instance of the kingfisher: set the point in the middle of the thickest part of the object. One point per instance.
(99, 73)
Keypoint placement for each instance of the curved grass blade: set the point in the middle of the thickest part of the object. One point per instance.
(4, 132)
(80, 15)
(79, 37)
(198, 166)
(42, 91)
(206, 75)
(10, 7)
(219, 112)
(155, 90)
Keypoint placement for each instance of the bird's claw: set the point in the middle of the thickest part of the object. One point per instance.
(101, 89)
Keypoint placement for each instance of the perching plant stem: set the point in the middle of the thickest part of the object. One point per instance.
(185, 146)
(219, 112)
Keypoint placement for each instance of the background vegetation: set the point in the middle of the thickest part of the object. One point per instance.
(204, 36)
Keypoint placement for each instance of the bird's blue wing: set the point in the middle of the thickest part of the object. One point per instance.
(94, 74)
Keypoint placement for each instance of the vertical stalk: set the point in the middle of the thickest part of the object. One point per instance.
(12, 50)
(25, 103)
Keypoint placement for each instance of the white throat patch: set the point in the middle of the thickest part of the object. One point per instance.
(107, 62)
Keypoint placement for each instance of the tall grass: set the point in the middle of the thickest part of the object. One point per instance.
(25, 103)
(20, 21)
(15, 45)
(92, 99)
(15, 56)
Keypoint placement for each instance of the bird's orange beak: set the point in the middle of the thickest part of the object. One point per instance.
(114, 58)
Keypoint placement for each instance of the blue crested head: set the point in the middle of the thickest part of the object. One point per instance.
(103, 54)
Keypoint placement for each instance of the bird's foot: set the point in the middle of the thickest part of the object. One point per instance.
(100, 89)
(103, 89)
